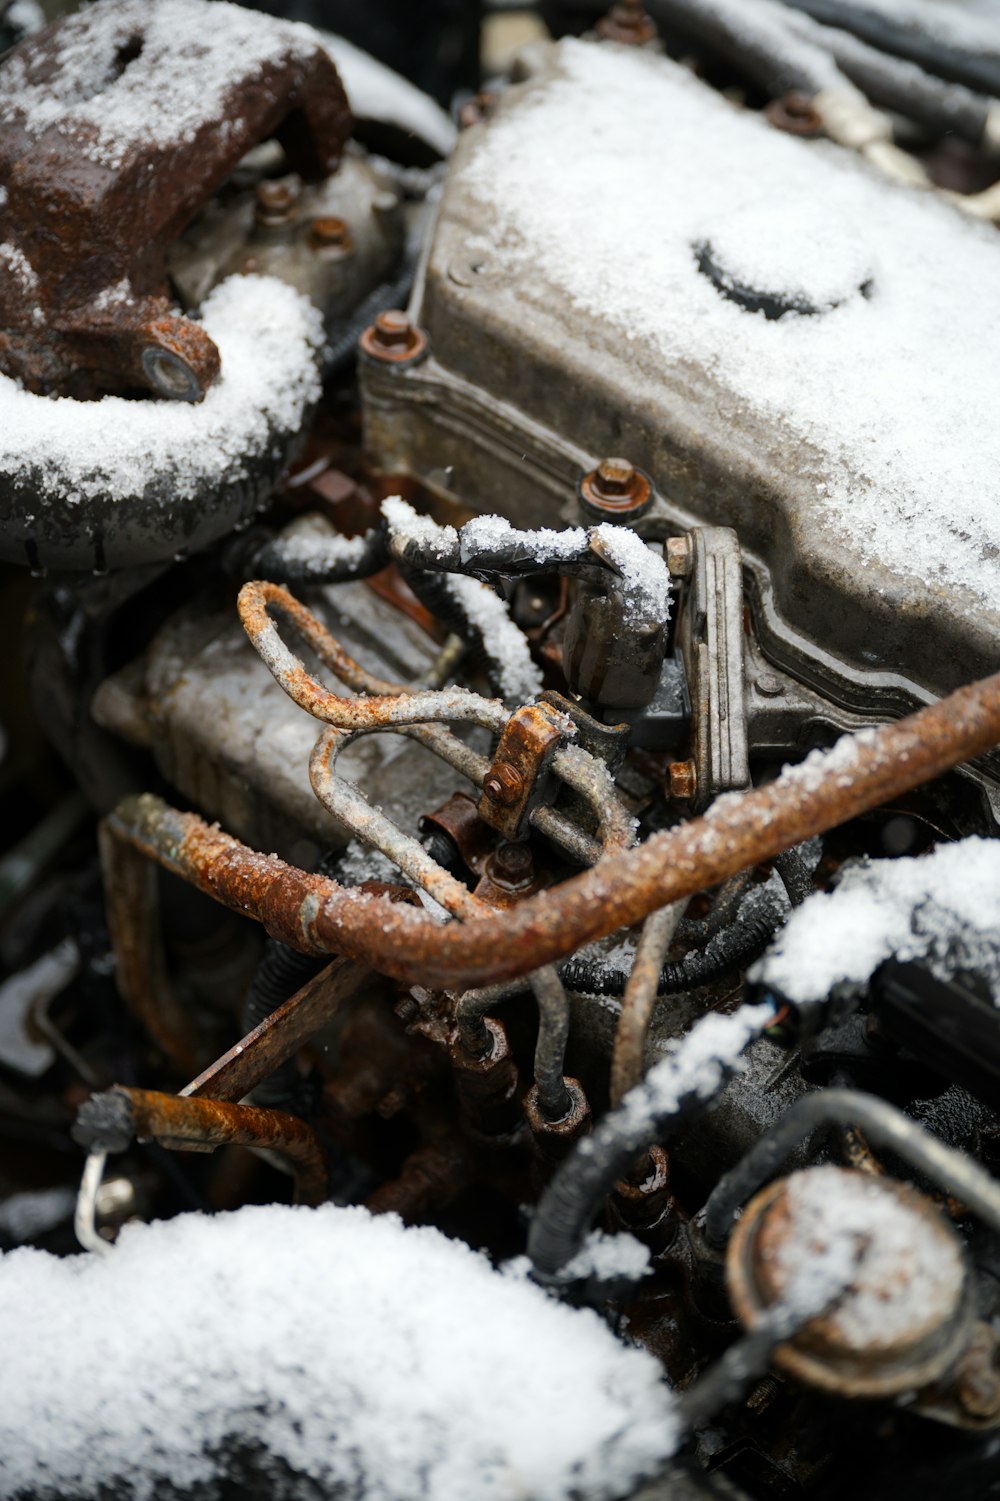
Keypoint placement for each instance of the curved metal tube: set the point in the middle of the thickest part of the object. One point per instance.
(318, 916)
(423, 706)
(954, 1172)
(640, 997)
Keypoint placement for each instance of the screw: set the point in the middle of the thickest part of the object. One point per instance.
(503, 785)
(769, 685)
(683, 779)
(393, 338)
(679, 557)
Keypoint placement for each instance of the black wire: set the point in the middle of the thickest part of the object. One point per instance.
(734, 948)
(588, 1175)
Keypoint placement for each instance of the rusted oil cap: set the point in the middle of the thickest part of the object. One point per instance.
(615, 491)
(906, 1314)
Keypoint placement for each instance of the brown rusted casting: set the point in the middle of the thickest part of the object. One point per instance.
(316, 915)
(186, 1124)
(98, 182)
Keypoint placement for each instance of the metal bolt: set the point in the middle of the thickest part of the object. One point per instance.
(329, 232)
(393, 338)
(683, 779)
(616, 491)
(679, 557)
(627, 22)
(276, 200)
(796, 113)
(512, 864)
(503, 785)
(769, 685)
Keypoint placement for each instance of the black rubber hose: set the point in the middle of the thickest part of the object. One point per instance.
(434, 594)
(883, 1125)
(768, 54)
(325, 560)
(734, 948)
(342, 346)
(978, 70)
(680, 1083)
(902, 86)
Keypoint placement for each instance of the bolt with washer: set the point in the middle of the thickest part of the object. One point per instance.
(616, 491)
(392, 339)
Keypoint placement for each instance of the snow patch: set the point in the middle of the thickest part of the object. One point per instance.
(396, 1363)
(267, 335)
(943, 907)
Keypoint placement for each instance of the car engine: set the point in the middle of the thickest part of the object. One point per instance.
(500, 750)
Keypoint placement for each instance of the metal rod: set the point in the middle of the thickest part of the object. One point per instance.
(640, 998)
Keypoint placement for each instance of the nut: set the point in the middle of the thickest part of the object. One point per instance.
(616, 491)
(393, 339)
(503, 784)
(683, 779)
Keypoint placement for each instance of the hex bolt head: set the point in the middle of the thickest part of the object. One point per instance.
(503, 785)
(329, 233)
(393, 339)
(683, 779)
(276, 200)
(628, 22)
(615, 491)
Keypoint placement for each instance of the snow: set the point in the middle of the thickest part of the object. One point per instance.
(377, 93)
(520, 680)
(107, 109)
(267, 335)
(393, 1362)
(696, 1067)
(608, 1257)
(943, 907)
(845, 1227)
(885, 405)
(24, 16)
(643, 571)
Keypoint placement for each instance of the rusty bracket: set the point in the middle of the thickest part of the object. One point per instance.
(102, 167)
(518, 779)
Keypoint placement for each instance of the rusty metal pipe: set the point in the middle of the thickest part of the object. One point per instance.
(256, 602)
(318, 916)
(110, 1121)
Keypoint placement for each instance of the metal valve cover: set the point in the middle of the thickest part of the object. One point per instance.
(626, 263)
